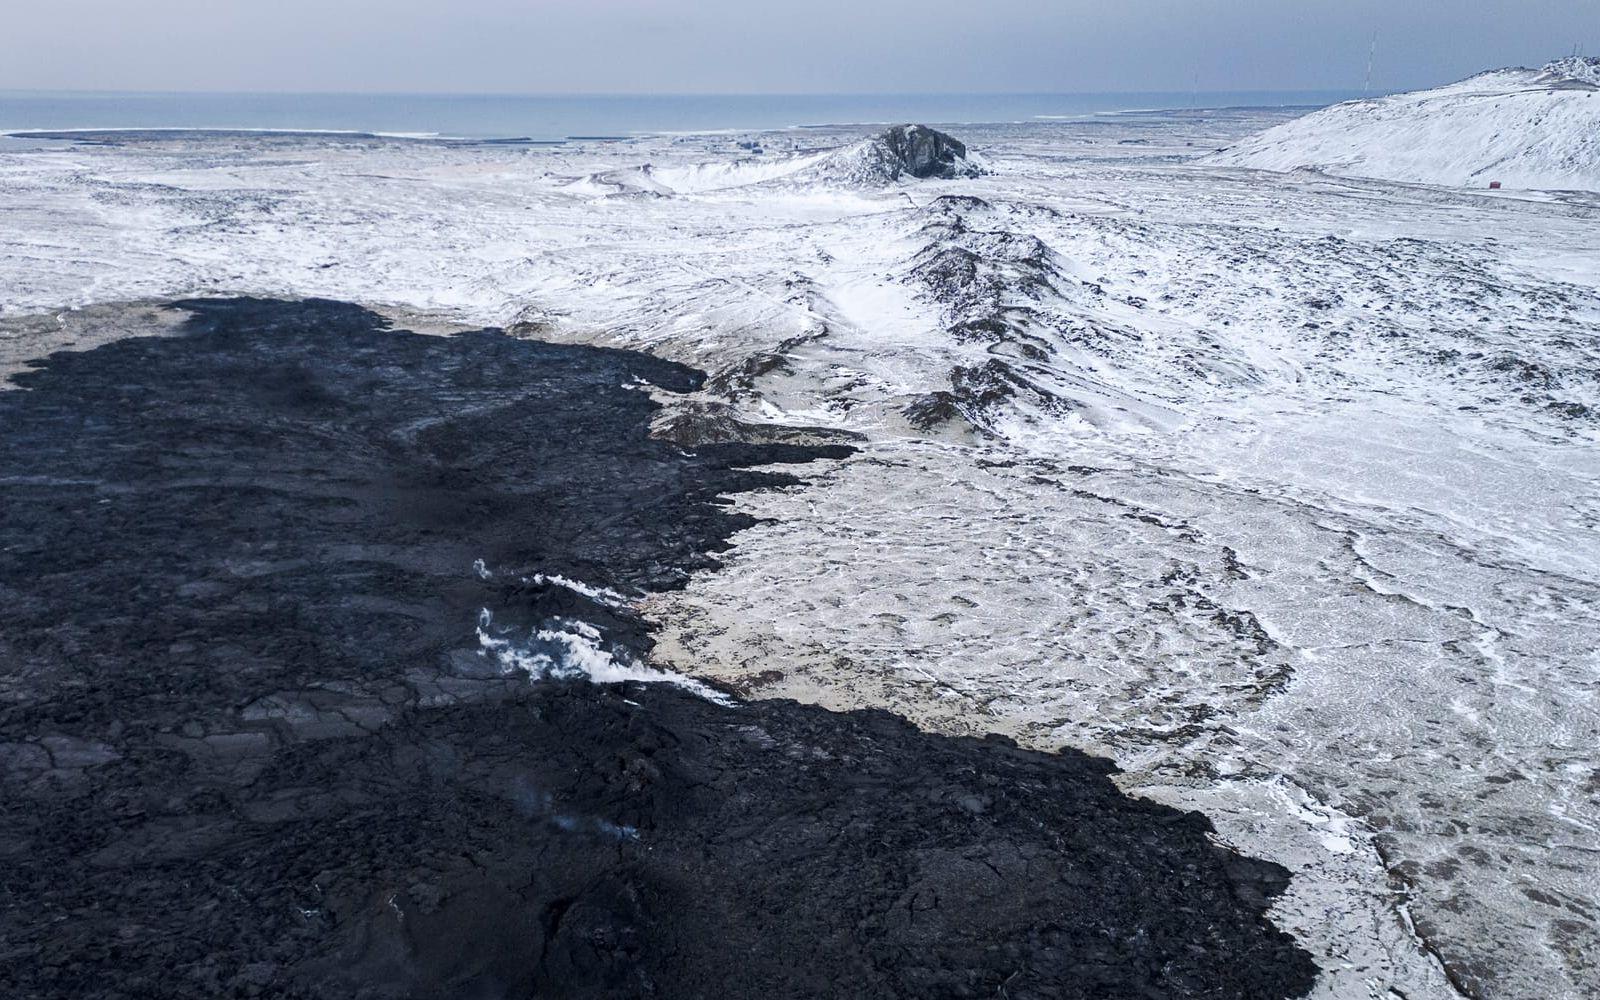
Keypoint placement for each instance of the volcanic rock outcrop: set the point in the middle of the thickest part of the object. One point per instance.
(916, 152)
(922, 152)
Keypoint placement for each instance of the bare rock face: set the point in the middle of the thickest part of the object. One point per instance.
(923, 152)
(904, 151)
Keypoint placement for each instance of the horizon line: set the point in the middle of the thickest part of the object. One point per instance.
(662, 94)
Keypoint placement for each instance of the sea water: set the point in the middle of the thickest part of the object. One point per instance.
(559, 117)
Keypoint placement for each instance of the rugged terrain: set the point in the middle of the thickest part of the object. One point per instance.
(296, 699)
(1277, 489)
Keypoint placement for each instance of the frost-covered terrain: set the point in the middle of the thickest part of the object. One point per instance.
(1526, 128)
(1281, 490)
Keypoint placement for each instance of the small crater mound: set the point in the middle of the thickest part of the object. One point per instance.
(904, 151)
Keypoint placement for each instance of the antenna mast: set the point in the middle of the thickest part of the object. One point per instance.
(1372, 55)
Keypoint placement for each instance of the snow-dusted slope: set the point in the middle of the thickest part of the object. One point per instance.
(1285, 499)
(1526, 128)
(901, 153)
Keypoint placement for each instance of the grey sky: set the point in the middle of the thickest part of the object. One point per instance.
(745, 46)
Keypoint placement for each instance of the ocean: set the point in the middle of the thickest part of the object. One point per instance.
(558, 117)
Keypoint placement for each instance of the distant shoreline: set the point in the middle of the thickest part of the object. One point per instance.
(551, 119)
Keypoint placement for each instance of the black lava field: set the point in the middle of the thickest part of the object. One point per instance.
(254, 740)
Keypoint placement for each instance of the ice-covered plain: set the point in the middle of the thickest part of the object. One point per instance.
(1278, 489)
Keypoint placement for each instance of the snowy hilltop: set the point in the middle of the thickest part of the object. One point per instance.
(1524, 128)
(903, 151)
(1584, 69)
(899, 153)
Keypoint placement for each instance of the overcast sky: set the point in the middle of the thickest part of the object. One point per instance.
(752, 46)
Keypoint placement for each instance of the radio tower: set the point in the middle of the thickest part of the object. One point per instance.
(1372, 55)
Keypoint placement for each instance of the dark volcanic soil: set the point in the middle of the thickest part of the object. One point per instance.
(249, 745)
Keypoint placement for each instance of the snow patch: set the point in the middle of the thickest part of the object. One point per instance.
(569, 648)
(601, 595)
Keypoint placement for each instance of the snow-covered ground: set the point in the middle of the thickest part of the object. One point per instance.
(1281, 490)
(1526, 128)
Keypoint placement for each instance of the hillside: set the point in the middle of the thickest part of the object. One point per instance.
(1526, 128)
(899, 153)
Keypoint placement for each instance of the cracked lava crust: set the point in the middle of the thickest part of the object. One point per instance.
(254, 739)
